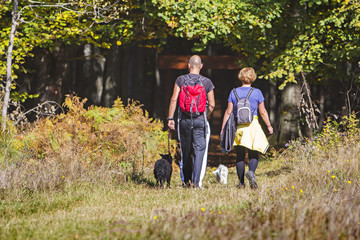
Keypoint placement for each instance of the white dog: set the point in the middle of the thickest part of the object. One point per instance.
(221, 174)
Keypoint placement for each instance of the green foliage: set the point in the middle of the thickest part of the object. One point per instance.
(118, 135)
(17, 96)
(283, 38)
(229, 21)
(327, 35)
(334, 134)
(52, 24)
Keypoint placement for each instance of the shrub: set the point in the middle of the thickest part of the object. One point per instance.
(121, 139)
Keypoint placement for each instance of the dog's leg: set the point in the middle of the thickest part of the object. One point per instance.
(157, 183)
(168, 182)
(162, 183)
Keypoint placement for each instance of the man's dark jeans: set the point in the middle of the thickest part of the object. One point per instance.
(193, 146)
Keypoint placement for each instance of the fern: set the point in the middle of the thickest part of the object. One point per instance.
(121, 135)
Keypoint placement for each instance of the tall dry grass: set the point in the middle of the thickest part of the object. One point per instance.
(309, 191)
(82, 145)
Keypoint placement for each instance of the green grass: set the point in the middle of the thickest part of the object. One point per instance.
(287, 205)
(309, 191)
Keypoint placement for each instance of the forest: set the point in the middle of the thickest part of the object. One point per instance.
(113, 48)
(84, 98)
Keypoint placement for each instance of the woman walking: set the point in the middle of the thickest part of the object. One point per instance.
(248, 136)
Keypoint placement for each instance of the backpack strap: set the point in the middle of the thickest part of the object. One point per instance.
(188, 76)
(249, 93)
(247, 97)
(193, 80)
(200, 79)
(237, 97)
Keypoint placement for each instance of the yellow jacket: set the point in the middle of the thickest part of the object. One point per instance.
(251, 136)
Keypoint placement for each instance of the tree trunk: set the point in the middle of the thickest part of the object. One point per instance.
(289, 115)
(112, 76)
(8, 65)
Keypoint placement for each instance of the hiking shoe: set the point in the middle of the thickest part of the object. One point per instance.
(197, 187)
(250, 175)
(241, 186)
(186, 185)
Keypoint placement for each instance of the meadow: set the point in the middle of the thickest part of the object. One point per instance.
(310, 190)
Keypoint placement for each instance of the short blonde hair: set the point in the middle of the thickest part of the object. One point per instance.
(247, 75)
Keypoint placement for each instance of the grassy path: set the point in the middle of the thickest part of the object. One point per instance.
(138, 211)
(309, 191)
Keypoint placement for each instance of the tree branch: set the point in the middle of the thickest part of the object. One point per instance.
(313, 116)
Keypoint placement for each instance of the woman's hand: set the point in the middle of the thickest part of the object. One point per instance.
(271, 130)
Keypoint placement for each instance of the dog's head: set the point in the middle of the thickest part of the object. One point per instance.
(167, 157)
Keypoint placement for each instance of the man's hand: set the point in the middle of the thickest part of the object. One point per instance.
(171, 124)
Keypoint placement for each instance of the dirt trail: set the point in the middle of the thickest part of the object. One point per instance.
(216, 157)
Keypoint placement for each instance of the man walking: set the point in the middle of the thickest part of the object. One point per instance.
(193, 127)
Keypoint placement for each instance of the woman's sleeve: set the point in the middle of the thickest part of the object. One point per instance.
(260, 97)
(231, 97)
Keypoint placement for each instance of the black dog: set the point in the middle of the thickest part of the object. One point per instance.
(163, 170)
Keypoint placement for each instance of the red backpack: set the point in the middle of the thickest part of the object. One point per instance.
(192, 97)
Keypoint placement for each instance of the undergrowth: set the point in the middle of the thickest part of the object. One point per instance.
(98, 143)
(50, 190)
